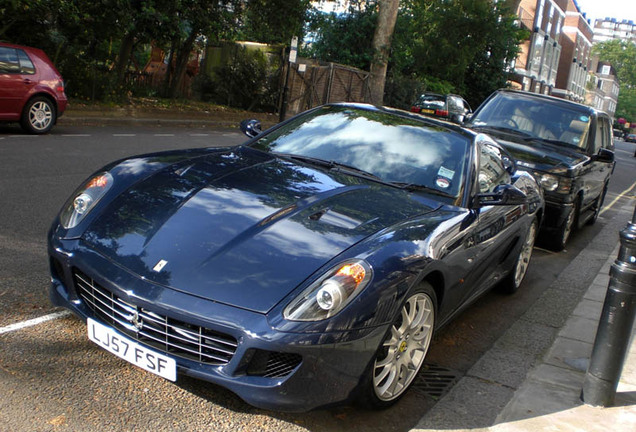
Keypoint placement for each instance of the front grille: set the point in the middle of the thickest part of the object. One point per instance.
(160, 332)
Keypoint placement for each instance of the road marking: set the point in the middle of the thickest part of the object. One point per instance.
(76, 135)
(33, 322)
(199, 134)
(164, 135)
(124, 135)
(23, 136)
(618, 197)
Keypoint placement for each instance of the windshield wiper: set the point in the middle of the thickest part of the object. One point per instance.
(419, 187)
(552, 141)
(503, 129)
(332, 165)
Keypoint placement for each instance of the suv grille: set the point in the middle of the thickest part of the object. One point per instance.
(160, 332)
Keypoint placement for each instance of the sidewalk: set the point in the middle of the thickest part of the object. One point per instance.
(496, 395)
(207, 117)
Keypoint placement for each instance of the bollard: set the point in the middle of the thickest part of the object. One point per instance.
(615, 327)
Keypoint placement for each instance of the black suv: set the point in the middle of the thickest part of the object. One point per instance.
(567, 146)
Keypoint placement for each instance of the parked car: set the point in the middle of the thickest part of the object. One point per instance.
(630, 137)
(568, 146)
(31, 89)
(449, 107)
(618, 134)
(306, 267)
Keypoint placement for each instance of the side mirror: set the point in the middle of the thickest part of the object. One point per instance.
(251, 127)
(503, 195)
(604, 155)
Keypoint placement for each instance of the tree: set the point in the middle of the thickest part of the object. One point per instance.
(274, 21)
(622, 56)
(387, 16)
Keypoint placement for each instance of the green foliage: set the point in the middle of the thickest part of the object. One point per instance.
(344, 39)
(622, 55)
(274, 21)
(438, 45)
(249, 81)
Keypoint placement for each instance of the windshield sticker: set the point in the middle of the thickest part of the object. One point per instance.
(446, 173)
(442, 182)
(584, 119)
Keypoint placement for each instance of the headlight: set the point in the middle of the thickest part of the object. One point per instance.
(85, 199)
(548, 182)
(554, 183)
(329, 294)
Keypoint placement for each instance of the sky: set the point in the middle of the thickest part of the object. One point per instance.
(619, 9)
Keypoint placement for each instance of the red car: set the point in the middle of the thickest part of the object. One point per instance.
(31, 89)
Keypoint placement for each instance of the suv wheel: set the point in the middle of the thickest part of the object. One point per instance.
(563, 233)
(598, 205)
(38, 116)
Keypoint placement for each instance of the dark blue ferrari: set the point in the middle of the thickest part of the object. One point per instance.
(307, 267)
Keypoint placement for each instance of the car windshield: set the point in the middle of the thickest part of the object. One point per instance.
(431, 101)
(391, 147)
(532, 119)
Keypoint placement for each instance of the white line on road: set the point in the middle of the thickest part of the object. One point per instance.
(33, 322)
(199, 134)
(76, 135)
(124, 135)
(164, 135)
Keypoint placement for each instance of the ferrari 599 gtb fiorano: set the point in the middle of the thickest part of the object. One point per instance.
(307, 267)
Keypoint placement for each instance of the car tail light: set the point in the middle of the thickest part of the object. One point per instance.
(60, 87)
(441, 113)
(415, 109)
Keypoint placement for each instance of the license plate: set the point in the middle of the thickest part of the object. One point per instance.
(428, 111)
(131, 351)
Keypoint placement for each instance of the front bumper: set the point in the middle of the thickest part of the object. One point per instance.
(331, 364)
(556, 214)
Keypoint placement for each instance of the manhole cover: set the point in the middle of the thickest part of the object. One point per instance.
(435, 381)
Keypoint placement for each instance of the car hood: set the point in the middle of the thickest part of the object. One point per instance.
(543, 156)
(242, 227)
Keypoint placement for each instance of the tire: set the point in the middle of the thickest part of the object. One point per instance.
(38, 116)
(403, 350)
(599, 206)
(513, 281)
(562, 235)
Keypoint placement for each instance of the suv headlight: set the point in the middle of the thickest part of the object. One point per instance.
(553, 183)
(549, 182)
(85, 199)
(333, 291)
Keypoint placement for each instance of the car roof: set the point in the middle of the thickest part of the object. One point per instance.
(552, 99)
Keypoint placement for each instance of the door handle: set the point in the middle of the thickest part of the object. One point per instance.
(27, 81)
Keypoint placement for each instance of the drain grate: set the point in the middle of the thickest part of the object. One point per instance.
(435, 381)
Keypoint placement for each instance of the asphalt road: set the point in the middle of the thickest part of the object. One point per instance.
(53, 378)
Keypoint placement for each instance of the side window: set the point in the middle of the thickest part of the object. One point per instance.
(492, 172)
(26, 65)
(602, 139)
(9, 63)
(454, 103)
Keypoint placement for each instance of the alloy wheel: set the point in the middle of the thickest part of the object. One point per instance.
(405, 348)
(40, 115)
(526, 253)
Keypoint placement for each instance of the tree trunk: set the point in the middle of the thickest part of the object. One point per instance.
(167, 79)
(387, 17)
(181, 64)
(125, 51)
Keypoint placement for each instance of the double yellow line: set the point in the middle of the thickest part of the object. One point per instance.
(618, 197)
